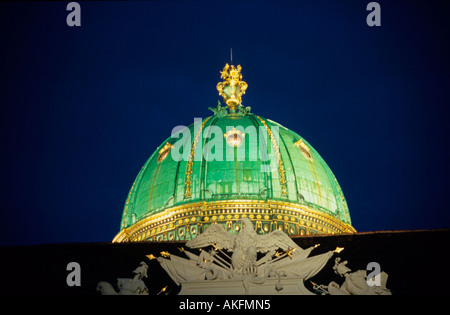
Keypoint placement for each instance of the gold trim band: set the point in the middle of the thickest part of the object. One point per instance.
(184, 222)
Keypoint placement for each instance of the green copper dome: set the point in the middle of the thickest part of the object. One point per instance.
(228, 166)
(212, 173)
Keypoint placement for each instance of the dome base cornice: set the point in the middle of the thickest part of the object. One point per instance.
(186, 221)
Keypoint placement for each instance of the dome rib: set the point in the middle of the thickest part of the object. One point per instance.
(267, 175)
(292, 167)
(204, 167)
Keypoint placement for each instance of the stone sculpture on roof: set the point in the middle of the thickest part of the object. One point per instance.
(282, 269)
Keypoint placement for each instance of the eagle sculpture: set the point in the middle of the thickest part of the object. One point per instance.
(246, 244)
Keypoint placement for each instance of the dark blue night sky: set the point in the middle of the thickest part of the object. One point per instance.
(83, 108)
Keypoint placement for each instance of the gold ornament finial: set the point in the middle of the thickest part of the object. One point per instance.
(232, 88)
(151, 257)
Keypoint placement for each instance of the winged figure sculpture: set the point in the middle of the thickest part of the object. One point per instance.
(246, 244)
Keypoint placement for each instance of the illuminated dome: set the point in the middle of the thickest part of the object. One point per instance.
(231, 165)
